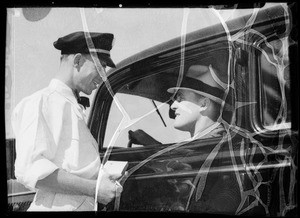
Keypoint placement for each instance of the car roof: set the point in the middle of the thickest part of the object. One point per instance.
(273, 17)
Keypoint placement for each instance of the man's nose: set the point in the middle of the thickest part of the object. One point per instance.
(174, 105)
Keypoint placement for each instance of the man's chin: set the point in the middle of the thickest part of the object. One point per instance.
(179, 127)
(88, 92)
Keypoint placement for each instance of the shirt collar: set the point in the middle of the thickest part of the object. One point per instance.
(63, 89)
(205, 133)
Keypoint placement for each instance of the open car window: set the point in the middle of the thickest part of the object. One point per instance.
(145, 114)
(143, 103)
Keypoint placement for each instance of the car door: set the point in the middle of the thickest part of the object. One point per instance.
(167, 170)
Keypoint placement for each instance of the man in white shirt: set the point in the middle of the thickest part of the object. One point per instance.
(56, 154)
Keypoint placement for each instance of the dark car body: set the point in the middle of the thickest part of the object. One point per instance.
(249, 169)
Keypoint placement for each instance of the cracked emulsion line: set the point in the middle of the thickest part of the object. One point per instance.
(206, 165)
(258, 167)
(282, 112)
(204, 168)
(243, 196)
(282, 115)
(170, 148)
(235, 170)
(279, 65)
(102, 74)
(280, 75)
(256, 184)
(285, 110)
(133, 169)
(126, 121)
(247, 27)
(182, 52)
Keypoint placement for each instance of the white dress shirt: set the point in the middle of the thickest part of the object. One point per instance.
(51, 133)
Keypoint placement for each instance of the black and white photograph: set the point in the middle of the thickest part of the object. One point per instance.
(187, 110)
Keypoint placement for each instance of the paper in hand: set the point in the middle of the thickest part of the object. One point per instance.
(115, 167)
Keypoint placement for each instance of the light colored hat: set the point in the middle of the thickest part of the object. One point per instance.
(204, 81)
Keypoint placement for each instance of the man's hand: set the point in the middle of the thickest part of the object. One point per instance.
(139, 137)
(109, 187)
(61, 181)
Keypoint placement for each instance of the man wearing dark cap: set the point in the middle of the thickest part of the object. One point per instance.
(56, 154)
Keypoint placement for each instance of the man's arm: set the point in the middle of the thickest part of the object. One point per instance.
(63, 182)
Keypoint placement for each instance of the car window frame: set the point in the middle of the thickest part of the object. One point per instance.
(105, 101)
(256, 84)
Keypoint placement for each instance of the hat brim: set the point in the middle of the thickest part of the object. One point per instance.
(107, 59)
(214, 98)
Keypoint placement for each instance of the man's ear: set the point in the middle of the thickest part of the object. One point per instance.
(76, 60)
(204, 104)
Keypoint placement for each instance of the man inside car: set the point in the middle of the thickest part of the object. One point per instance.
(198, 108)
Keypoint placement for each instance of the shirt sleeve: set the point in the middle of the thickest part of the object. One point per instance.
(37, 124)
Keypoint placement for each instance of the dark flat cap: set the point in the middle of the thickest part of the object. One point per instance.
(77, 43)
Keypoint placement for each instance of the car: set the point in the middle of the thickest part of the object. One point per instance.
(252, 168)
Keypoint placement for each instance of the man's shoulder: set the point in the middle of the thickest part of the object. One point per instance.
(34, 97)
(41, 97)
(52, 98)
(28, 106)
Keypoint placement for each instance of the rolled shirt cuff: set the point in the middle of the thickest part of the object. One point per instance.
(40, 169)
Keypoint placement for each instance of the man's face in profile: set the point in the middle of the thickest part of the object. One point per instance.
(88, 78)
(187, 110)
